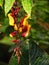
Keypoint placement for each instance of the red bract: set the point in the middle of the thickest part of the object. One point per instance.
(16, 41)
(17, 10)
(13, 34)
(13, 15)
(24, 29)
(18, 53)
(24, 34)
(21, 23)
(12, 9)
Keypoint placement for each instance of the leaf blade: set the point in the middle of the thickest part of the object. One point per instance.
(8, 4)
(1, 2)
(36, 55)
(27, 5)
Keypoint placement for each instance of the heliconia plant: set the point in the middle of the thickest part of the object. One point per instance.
(23, 30)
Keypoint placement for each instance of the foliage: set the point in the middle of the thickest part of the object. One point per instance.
(24, 32)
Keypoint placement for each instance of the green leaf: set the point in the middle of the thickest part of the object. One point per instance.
(7, 40)
(27, 5)
(1, 2)
(8, 4)
(32, 56)
(41, 3)
(1, 15)
(36, 55)
(23, 61)
(13, 60)
(3, 28)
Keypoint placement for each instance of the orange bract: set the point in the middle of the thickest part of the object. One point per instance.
(15, 27)
(24, 26)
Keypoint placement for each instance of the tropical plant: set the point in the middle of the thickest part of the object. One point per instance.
(24, 32)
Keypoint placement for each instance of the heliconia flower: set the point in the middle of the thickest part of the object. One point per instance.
(22, 29)
(13, 34)
(24, 26)
(11, 20)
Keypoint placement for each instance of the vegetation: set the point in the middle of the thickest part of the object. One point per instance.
(24, 32)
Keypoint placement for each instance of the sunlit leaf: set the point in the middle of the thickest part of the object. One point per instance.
(8, 4)
(1, 2)
(7, 40)
(27, 5)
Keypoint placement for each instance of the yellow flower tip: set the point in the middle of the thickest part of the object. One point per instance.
(20, 29)
(26, 34)
(10, 35)
(15, 27)
(29, 26)
(25, 19)
(11, 20)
